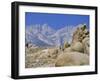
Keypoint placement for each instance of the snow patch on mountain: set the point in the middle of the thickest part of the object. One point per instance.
(44, 35)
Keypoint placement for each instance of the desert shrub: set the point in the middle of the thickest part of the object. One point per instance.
(66, 44)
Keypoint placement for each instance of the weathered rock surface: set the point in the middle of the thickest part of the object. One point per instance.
(80, 33)
(86, 45)
(80, 40)
(69, 49)
(77, 47)
(42, 58)
(72, 59)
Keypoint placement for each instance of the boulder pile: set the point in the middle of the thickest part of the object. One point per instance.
(78, 52)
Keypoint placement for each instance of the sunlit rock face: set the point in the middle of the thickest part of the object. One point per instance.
(72, 59)
(80, 39)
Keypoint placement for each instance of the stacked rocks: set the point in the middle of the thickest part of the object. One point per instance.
(80, 40)
(78, 52)
(80, 33)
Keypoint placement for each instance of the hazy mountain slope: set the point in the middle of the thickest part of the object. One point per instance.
(44, 35)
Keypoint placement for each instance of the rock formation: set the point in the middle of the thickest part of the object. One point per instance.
(78, 52)
(80, 33)
(74, 54)
(72, 59)
(80, 39)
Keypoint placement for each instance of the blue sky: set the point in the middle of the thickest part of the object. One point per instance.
(56, 21)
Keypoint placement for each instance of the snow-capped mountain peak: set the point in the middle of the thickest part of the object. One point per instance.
(37, 34)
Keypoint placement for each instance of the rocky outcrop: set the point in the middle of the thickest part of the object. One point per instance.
(78, 52)
(72, 59)
(80, 40)
(80, 33)
(42, 58)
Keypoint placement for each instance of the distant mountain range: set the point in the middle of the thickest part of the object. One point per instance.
(44, 35)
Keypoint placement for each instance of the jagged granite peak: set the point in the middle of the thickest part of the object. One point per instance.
(48, 36)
